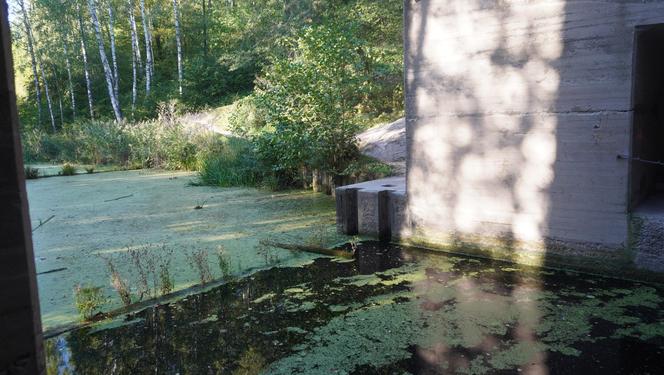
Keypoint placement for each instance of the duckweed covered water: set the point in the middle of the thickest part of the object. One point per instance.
(392, 310)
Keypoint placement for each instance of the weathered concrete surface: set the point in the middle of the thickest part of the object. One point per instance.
(515, 113)
(386, 143)
(368, 201)
(21, 348)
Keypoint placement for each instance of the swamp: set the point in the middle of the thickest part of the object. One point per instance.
(236, 187)
(388, 309)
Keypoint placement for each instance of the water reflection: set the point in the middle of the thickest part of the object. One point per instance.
(392, 310)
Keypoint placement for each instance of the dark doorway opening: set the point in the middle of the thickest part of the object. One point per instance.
(647, 170)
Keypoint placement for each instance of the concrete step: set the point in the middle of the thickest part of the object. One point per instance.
(373, 208)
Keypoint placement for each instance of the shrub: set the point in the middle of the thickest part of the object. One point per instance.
(68, 170)
(90, 170)
(88, 300)
(165, 280)
(231, 162)
(31, 173)
(309, 100)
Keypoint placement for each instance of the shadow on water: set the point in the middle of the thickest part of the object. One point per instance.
(390, 310)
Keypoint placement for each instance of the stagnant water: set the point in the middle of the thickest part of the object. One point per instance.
(392, 310)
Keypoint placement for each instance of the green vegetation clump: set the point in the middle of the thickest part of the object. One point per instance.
(88, 300)
(147, 144)
(31, 173)
(230, 162)
(68, 170)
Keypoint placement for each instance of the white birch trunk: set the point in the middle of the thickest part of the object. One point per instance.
(136, 47)
(111, 31)
(108, 74)
(148, 49)
(84, 53)
(178, 43)
(48, 95)
(69, 80)
(135, 56)
(62, 114)
(33, 60)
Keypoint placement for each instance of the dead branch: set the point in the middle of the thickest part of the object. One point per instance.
(43, 222)
(118, 198)
(308, 248)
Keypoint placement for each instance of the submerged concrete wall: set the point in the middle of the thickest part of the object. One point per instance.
(516, 111)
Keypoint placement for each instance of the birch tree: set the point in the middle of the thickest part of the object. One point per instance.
(33, 59)
(84, 53)
(47, 92)
(69, 80)
(135, 45)
(178, 43)
(108, 74)
(111, 32)
(135, 55)
(148, 48)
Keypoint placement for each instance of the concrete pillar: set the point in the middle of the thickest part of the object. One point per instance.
(20, 323)
(347, 222)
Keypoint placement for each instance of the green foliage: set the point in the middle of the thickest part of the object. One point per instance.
(68, 170)
(165, 280)
(146, 144)
(316, 71)
(207, 80)
(88, 300)
(309, 100)
(366, 168)
(230, 162)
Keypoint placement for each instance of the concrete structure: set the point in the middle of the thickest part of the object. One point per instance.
(20, 325)
(521, 120)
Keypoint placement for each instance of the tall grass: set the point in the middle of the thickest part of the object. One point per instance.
(147, 144)
(230, 163)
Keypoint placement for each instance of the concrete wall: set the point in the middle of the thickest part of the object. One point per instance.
(20, 324)
(516, 111)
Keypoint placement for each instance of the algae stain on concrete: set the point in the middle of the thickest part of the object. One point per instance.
(417, 313)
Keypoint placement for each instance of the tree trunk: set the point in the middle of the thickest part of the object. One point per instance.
(69, 80)
(62, 115)
(136, 47)
(148, 49)
(178, 43)
(33, 60)
(111, 32)
(104, 61)
(48, 95)
(135, 56)
(84, 53)
(205, 29)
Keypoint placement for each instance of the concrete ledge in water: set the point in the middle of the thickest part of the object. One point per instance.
(375, 208)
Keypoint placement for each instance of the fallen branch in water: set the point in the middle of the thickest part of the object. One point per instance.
(118, 198)
(43, 222)
(52, 271)
(308, 248)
